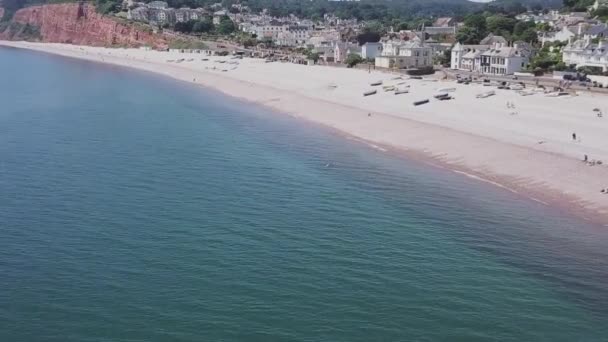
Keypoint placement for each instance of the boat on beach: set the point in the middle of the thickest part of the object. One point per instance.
(557, 94)
(401, 91)
(388, 88)
(526, 92)
(375, 84)
(441, 95)
(446, 90)
(421, 102)
(371, 92)
(486, 94)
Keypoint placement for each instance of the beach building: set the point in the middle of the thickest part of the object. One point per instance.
(400, 54)
(584, 52)
(293, 36)
(492, 59)
(565, 34)
(343, 49)
(504, 60)
(371, 50)
(467, 57)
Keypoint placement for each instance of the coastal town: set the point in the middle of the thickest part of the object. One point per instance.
(564, 42)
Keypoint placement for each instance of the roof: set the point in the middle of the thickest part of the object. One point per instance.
(508, 51)
(597, 29)
(492, 39)
(443, 21)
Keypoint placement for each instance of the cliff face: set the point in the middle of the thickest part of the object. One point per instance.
(80, 24)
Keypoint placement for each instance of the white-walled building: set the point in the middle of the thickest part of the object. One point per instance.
(564, 35)
(342, 50)
(467, 57)
(495, 59)
(371, 50)
(409, 54)
(584, 53)
(504, 60)
(293, 36)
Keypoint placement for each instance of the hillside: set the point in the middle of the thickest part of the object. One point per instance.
(364, 9)
(74, 23)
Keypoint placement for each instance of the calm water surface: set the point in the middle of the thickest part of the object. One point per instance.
(135, 208)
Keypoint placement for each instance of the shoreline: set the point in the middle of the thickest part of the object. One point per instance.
(548, 173)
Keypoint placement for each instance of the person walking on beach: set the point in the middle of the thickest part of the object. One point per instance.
(574, 136)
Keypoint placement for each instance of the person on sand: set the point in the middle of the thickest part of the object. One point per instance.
(574, 136)
(586, 158)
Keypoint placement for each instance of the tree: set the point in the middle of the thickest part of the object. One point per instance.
(476, 21)
(205, 25)
(444, 58)
(353, 59)
(368, 37)
(226, 26)
(314, 56)
(499, 24)
(469, 35)
(184, 27)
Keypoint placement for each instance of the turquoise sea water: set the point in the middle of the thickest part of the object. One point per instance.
(136, 208)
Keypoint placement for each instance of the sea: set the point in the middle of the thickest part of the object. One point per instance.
(138, 208)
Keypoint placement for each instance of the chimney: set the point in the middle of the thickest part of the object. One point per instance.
(580, 29)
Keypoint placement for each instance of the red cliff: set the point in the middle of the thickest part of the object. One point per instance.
(80, 24)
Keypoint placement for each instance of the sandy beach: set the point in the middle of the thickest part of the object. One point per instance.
(526, 147)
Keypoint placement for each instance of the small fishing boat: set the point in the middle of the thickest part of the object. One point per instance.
(446, 90)
(486, 94)
(375, 84)
(388, 88)
(415, 77)
(516, 86)
(526, 92)
(421, 102)
(371, 92)
(557, 94)
(401, 91)
(446, 98)
(441, 95)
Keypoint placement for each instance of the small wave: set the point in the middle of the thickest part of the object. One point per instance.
(485, 180)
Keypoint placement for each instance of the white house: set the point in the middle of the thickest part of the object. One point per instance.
(342, 50)
(371, 50)
(409, 54)
(504, 60)
(293, 36)
(467, 57)
(584, 53)
(564, 35)
(495, 59)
